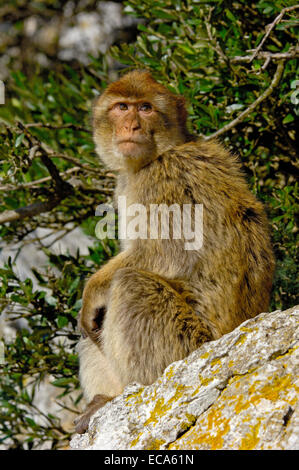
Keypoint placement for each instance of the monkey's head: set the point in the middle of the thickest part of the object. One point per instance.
(135, 120)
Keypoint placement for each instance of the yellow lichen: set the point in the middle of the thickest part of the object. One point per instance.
(161, 408)
(272, 390)
(205, 355)
(135, 441)
(244, 328)
(170, 373)
(190, 420)
(155, 444)
(215, 362)
(216, 427)
(158, 411)
(289, 352)
(135, 397)
(241, 340)
(251, 440)
(206, 380)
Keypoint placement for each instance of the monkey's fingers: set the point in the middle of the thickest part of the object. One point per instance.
(81, 423)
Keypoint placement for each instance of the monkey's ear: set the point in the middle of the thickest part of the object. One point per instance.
(94, 102)
(93, 107)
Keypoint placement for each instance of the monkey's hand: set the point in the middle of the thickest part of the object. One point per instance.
(82, 421)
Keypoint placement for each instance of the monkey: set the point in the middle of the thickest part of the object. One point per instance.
(156, 301)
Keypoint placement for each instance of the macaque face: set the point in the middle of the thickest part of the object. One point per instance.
(136, 120)
(134, 124)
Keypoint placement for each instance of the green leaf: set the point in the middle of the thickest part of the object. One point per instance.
(31, 422)
(19, 139)
(63, 382)
(62, 321)
(288, 118)
(51, 300)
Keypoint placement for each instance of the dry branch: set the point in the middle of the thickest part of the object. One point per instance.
(270, 26)
(250, 109)
(266, 55)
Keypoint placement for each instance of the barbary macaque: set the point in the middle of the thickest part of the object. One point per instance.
(157, 301)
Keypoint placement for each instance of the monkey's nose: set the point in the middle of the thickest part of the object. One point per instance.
(133, 127)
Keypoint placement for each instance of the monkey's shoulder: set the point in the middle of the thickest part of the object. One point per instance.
(209, 171)
(199, 155)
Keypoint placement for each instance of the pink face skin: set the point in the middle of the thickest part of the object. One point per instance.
(131, 121)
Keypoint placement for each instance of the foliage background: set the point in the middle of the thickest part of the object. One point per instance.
(50, 170)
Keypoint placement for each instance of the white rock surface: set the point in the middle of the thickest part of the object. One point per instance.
(239, 392)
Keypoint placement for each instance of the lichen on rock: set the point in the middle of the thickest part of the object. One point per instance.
(239, 392)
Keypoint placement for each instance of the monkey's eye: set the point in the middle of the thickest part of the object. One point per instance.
(122, 106)
(146, 107)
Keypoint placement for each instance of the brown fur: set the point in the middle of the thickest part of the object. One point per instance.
(159, 301)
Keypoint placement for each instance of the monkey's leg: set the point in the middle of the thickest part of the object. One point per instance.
(94, 296)
(147, 326)
(97, 378)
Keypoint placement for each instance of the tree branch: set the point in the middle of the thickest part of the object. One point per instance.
(31, 184)
(266, 55)
(61, 190)
(29, 211)
(246, 112)
(269, 28)
(57, 127)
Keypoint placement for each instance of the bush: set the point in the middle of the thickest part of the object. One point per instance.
(240, 87)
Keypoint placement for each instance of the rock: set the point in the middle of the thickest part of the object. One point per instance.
(239, 392)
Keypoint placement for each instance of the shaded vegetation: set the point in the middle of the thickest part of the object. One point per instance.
(209, 52)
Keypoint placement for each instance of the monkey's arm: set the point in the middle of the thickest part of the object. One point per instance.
(95, 292)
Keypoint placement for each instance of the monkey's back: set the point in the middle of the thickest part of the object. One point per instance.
(230, 276)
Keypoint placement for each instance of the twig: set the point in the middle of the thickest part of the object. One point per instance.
(11, 187)
(29, 211)
(266, 55)
(265, 65)
(216, 45)
(270, 26)
(60, 236)
(246, 112)
(75, 161)
(57, 127)
(62, 188)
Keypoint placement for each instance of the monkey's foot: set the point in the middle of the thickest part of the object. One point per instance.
(82, 422)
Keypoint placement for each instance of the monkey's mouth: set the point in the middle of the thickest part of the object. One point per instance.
(131, 147)
(131, 141)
